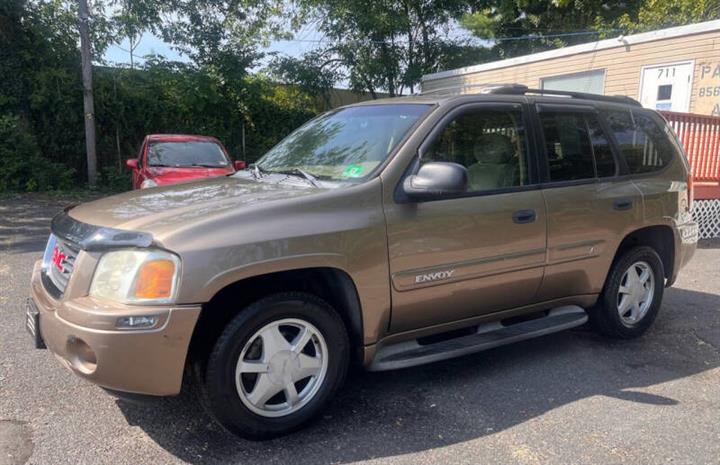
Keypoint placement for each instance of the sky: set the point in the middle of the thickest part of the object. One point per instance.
(305, 40)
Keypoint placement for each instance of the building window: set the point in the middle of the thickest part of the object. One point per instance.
(592, 82)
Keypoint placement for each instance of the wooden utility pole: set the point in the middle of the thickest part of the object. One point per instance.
(88, 104)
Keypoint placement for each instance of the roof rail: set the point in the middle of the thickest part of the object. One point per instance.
(520, 89)
(587, 96)
(514, 89)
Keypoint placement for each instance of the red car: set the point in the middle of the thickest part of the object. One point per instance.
(173, 158)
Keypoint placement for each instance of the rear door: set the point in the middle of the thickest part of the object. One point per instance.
(463, 256)
(590, 205)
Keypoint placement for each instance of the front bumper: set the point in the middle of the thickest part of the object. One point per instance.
(81, 333)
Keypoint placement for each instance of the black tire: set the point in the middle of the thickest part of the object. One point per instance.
(216, 377)
(605, 317)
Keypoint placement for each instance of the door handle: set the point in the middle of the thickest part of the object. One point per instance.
(623, 204)
(523, 216)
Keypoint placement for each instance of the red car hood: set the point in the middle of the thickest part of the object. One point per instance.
(172, 175)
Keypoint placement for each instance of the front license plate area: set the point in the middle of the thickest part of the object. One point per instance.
(32, 324)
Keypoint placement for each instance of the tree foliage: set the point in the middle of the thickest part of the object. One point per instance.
(372, 45)
(41, 102)
(658, 14)
(383, 45)
(518, 27)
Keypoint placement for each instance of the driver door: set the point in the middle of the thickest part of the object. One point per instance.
(480, 252)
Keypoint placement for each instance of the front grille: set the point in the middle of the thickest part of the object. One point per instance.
(58, 265)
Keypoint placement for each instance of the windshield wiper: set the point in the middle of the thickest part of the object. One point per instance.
(301, 173)
(256, 171)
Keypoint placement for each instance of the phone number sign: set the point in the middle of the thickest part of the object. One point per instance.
(708, 93)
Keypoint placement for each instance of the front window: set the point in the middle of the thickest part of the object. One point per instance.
(490, 143)
(346, 144)
(187, 154)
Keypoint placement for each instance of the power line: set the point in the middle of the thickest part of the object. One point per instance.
(495, 39)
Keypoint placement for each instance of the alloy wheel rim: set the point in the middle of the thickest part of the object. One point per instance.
(635, 293)
(281, 367)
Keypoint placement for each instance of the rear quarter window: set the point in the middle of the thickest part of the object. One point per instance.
(642, 142)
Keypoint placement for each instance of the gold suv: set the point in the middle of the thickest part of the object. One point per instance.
(389, 233)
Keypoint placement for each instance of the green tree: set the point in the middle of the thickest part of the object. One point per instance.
(41, 119)
(311, 73)
(658, 14)
(130, 19)
(518, 27)
(385, 45)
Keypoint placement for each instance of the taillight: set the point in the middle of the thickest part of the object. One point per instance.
(690, 191)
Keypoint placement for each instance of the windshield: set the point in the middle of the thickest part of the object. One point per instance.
(345, 144)
(188, 153)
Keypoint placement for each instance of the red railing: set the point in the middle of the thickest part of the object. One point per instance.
(700, 135)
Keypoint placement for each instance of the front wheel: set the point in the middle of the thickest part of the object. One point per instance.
(632, 295)
(275, 365)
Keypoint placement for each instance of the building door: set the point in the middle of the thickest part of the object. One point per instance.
(666, 87)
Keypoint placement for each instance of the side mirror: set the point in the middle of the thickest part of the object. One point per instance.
(239, 165)
(132, 163)
(436, 179)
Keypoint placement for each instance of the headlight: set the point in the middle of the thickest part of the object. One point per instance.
(148, 183)
(137, 276)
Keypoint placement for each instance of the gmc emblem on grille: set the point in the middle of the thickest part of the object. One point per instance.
(436, 276)
(58, 258)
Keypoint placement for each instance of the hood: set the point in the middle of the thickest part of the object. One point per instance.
(168, 207)
(172, 175)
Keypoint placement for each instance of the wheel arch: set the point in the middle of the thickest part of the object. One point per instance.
(333, 285)
(660, 238)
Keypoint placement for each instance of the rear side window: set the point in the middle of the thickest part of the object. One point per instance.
(642, 142)
(604, 159)
(576, 146)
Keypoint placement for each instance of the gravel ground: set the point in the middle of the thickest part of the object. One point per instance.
(570, 397)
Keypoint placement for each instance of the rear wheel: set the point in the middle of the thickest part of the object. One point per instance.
(632, 295)
(275, 365)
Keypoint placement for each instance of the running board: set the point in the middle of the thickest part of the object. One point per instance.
(490, 335)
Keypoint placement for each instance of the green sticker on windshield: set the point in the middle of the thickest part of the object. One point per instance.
(353, 171)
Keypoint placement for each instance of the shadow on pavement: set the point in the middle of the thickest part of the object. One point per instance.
(412, 410)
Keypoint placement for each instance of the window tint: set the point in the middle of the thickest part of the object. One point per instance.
(642, 142)
(604, 159)
(567, 144)
(489, 143)
(576, 146)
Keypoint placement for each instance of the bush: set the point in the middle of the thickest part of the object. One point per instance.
(22, 167)
(114, 180)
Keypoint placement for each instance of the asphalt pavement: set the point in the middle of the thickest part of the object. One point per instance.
(568, 398)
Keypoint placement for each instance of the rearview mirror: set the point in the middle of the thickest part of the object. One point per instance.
(239, 165)
(436, 179)
(132, 163)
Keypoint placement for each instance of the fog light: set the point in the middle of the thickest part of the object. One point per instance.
(136, 322)
(81, 356)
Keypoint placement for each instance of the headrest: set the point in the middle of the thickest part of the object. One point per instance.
(493, 149)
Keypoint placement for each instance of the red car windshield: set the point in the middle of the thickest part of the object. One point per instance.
(187, 153)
